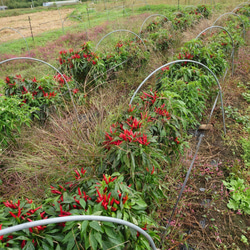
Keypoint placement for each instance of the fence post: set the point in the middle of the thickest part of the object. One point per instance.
(31, 30)
(87, 8)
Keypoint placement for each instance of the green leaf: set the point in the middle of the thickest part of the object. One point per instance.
(83, 203)
(92, 241)
(68, 236)
(50, 241)
(117, 241)
(71, 243)
(109, 224)
(95, 225)
(233, 205)
(58, 247)
(45, 246)
(145, 243)
(110, 232)
(98, 238)
(29, 246)
(84, 226)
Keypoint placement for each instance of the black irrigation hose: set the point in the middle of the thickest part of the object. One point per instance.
(184, 183)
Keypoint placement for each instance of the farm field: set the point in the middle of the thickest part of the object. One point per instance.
(138, 110)
(41, 22)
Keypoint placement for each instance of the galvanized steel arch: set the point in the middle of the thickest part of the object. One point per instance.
(231, 13)
(41, 61)
(241, 5)
(220, 27)
(19, 34)
(120, 30)
(181, 61)
(150, 17)
(78, 218)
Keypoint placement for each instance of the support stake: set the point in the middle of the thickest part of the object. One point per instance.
(31, 30)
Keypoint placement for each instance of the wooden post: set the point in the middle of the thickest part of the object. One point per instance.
(123, 8)
(2, 4)
(87, 8)
(31, 30)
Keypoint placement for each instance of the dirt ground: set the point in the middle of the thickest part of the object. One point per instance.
(40, 22)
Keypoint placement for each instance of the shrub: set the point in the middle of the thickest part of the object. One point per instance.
(90, 69)
(127, 54)
(13, 114)
(161, 40)
(40, 94)
(197, 51)
(83, 65)
(144, 140)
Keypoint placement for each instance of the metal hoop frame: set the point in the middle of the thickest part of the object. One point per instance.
(19, 34)
(77, 218)
(150, 17)
(189, 6)
(220, 27)
(241, 5)
(38, 60)
(120, 30)
(191, 61)
(231, 13)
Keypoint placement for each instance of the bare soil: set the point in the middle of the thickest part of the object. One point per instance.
(40, 22)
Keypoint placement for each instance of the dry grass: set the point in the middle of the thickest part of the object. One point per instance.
(47, 154)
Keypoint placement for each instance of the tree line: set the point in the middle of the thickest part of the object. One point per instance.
(14, 4)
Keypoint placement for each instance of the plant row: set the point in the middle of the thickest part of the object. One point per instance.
(137, 148)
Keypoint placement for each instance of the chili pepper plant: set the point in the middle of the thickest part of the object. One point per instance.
(41, 94)
(81, 195)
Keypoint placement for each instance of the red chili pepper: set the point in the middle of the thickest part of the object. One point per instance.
(117, 202)
(119, 193)
(29, 201)
(77, 201)
(105, 179)
(64, 189)
(79, 192)
(113, 179)
(77, 173)
(124, 199)
(83, 171)
(99, 194)
(13, 215)
(153, 170)
(109, 196)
